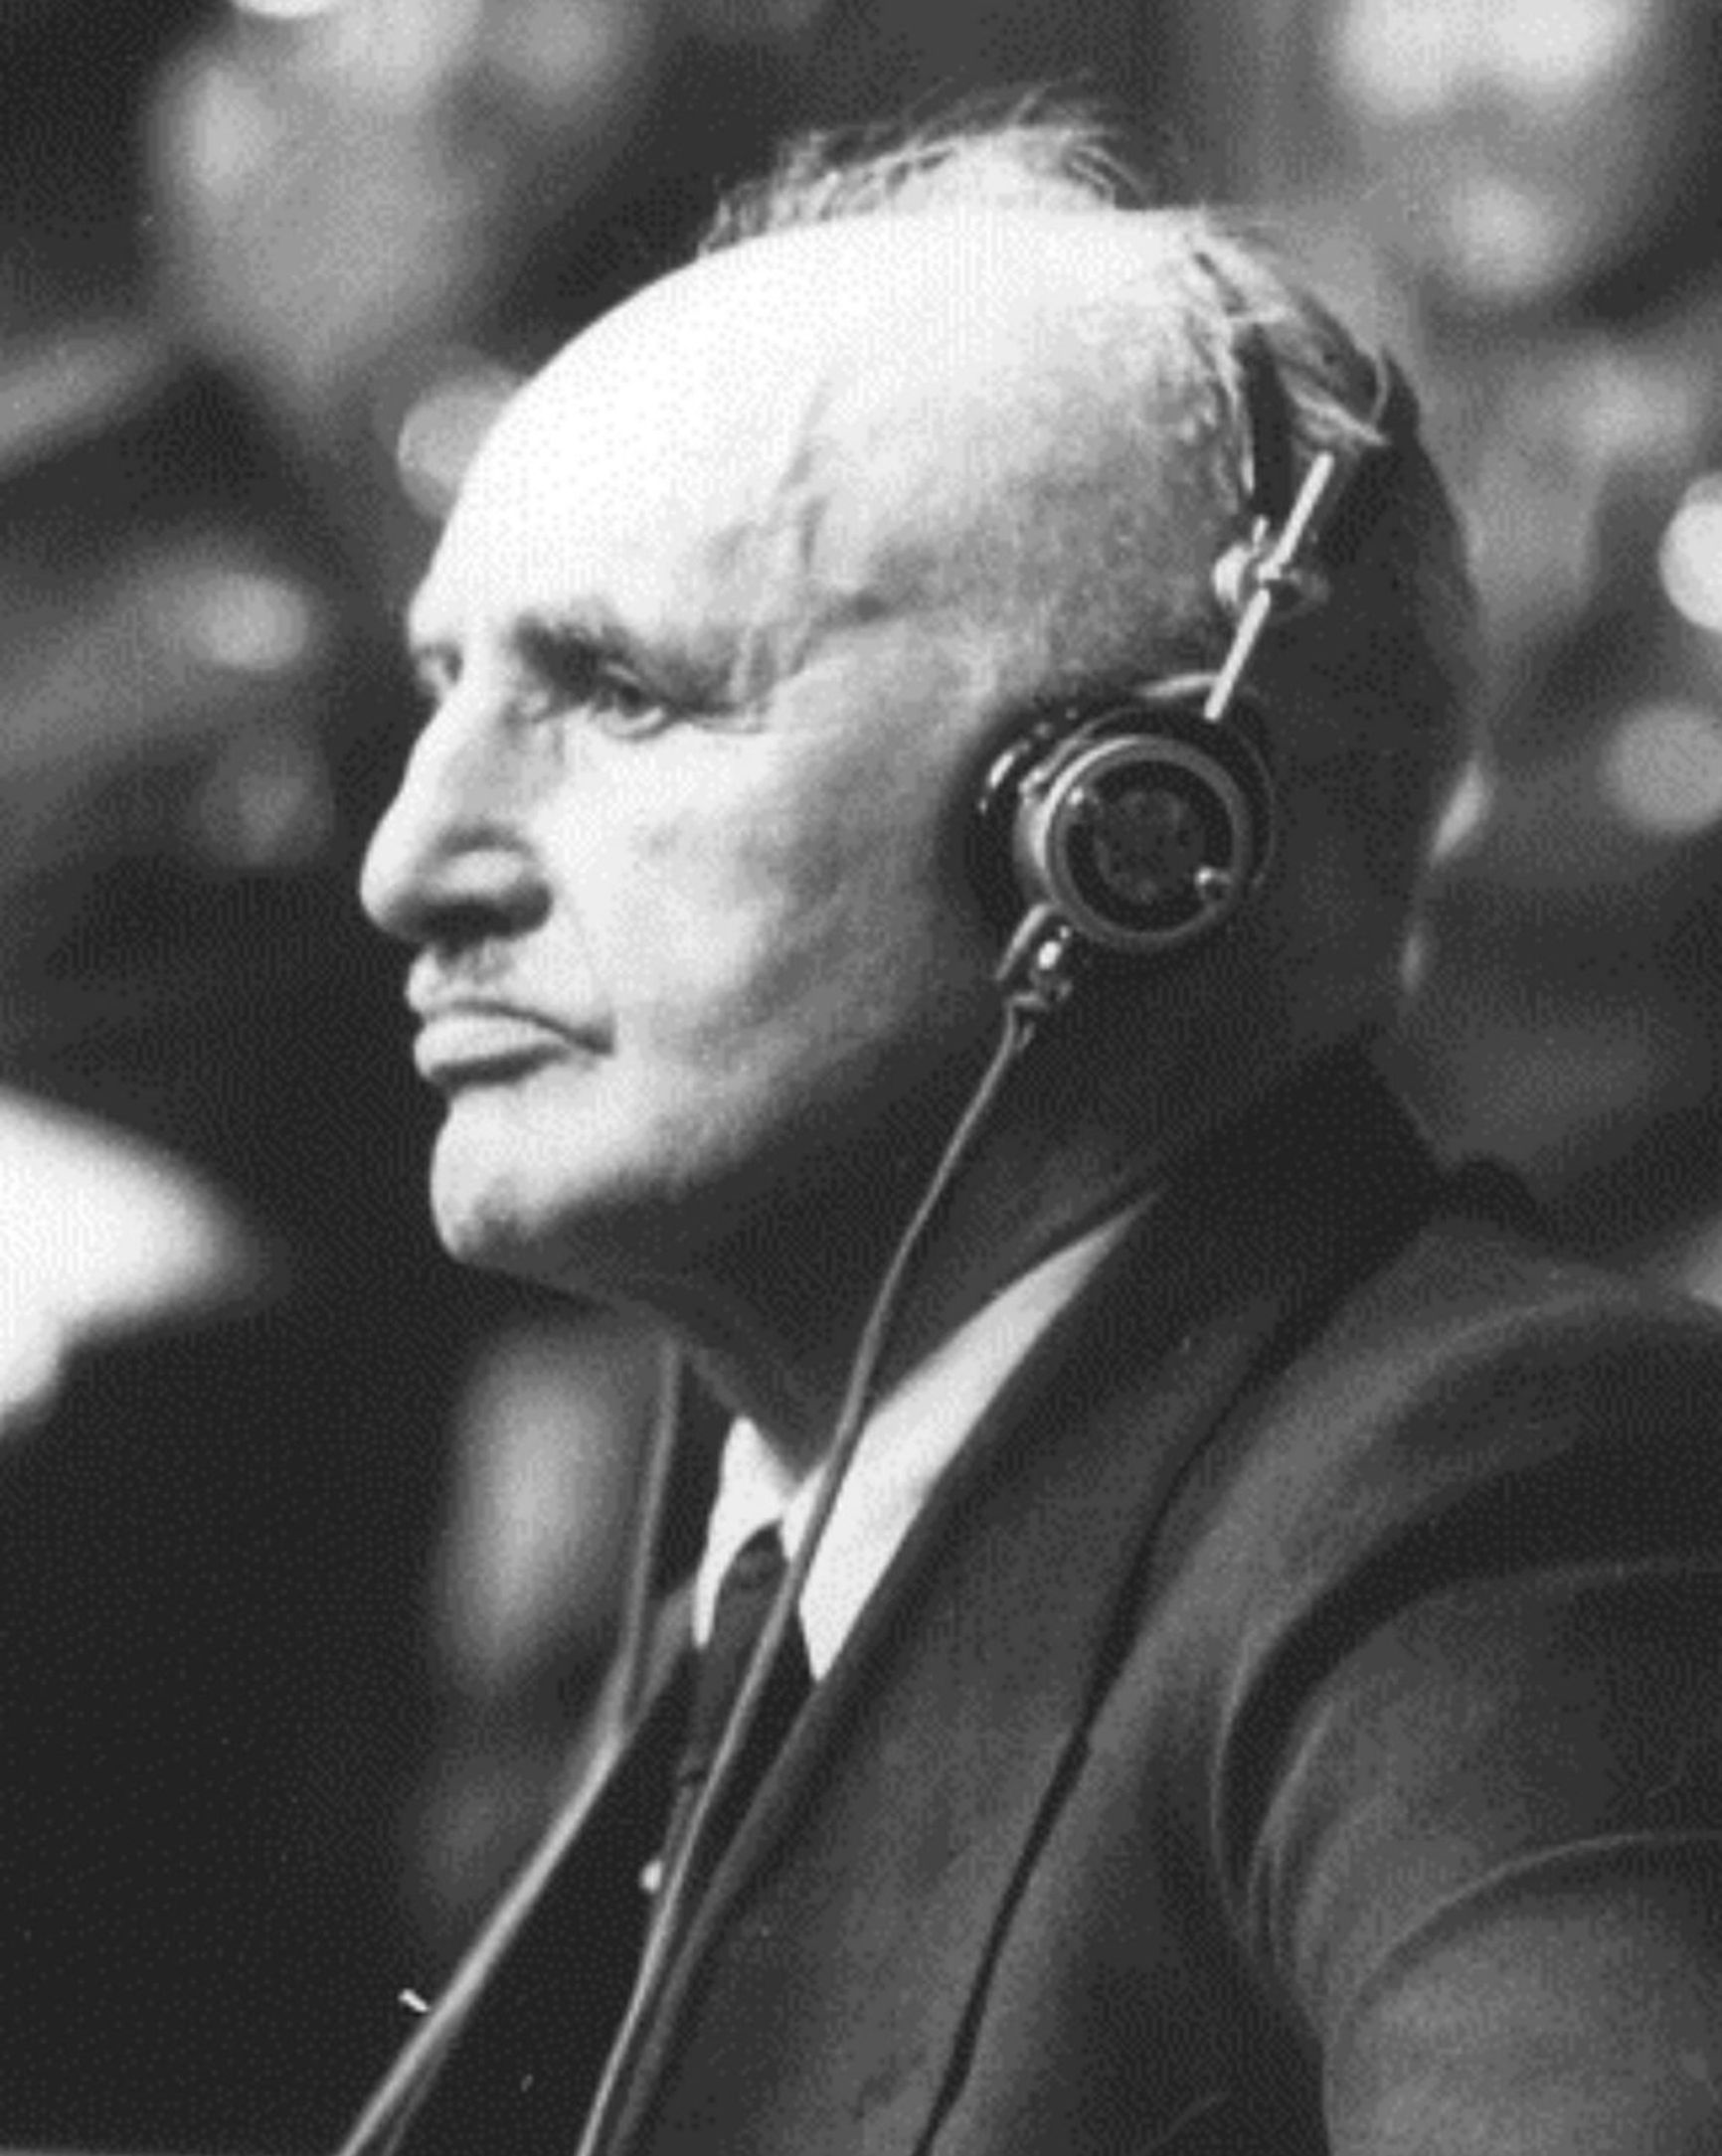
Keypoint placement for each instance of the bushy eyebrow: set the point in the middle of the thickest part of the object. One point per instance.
(547, 641)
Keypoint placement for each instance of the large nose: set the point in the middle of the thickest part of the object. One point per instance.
(454, 859)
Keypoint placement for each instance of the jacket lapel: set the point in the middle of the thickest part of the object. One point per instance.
(821, 1994)
(534, 2001)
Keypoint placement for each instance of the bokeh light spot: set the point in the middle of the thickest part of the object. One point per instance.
(245, 620)
(268, 801)
(1467, 812)
(1509, 237)
(442, 430)
(1662, 770)
(286, 11)
(1562, 49)
(1394, 59)
(1690, 555)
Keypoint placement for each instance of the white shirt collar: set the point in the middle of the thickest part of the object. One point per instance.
(912, 1435)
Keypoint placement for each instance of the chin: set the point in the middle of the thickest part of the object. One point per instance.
(495, 1196)
(488, 1229)
(505, 1199)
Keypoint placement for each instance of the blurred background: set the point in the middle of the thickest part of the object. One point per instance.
(308, 1542)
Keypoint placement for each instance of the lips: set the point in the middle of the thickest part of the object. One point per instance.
(465, 1044)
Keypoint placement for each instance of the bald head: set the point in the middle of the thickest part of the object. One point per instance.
(992, 417)
(961, 388)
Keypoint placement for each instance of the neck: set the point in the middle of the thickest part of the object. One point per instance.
(775, 1318)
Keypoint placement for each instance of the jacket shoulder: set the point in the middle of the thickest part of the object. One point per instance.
(1483, 1409)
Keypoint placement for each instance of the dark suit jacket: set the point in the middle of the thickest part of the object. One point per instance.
(1295, 1725)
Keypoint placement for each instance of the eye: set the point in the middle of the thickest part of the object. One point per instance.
(575, 674)
(623, 703)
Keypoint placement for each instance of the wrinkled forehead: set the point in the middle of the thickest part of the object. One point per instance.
(875, 319)
(864, 406)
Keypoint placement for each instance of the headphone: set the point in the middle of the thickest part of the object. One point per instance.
(1135, 825)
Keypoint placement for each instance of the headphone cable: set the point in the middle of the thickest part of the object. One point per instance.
(1032, 992)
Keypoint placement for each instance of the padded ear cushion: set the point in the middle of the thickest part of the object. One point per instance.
(1142, 825)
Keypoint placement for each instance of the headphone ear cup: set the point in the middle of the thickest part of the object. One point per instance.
(1144, 828)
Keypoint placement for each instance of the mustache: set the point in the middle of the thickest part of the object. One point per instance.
(480, 975)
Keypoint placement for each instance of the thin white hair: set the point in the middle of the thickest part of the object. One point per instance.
(1376, 683)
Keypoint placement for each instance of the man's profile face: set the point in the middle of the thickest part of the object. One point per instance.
(679, 844)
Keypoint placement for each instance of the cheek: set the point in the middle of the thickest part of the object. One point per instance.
(803, 925)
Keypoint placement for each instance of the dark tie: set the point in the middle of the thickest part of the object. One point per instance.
(745, 1598)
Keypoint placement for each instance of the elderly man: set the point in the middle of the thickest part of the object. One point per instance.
(935, 707)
